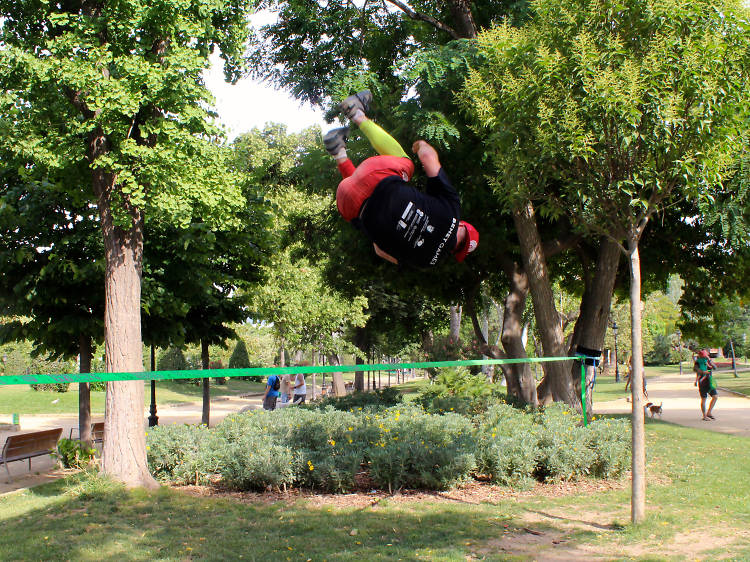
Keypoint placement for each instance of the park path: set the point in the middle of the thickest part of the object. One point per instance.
(681, 405)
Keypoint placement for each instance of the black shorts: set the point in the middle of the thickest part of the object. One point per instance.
(705, 389)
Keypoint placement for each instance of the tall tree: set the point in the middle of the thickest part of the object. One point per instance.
(117, 87)
(617, 110)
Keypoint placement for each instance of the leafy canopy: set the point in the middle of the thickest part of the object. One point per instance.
(608, 110)
(129, 73)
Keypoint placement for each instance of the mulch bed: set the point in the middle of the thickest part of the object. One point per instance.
(474, 492)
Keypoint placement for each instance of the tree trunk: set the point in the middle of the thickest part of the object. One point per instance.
(205, 365)
(360, 340)
(638, 494)
(463, 19)
(591, 326)
(521, 380)
(455, 324)
(84, 392)
(545, 312)
(124, 453)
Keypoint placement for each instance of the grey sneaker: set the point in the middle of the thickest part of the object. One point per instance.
(360, 100)
(335, 139)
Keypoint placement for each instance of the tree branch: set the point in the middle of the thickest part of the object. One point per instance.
(425, 18)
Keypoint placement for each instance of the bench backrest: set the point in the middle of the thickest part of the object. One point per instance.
(97, 431)
(21, 445)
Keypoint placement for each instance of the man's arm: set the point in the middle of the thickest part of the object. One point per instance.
(384, 255)
(428, 156)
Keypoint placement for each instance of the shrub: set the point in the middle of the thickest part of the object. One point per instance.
(507, 446)
(184, 454)
(384, 397)
(43, 366)
(459, 391)
(255, 462)
(610, 441)
(563, 445)
(327, 445)
(241, 360)
(97, 386)
(403, 446)
(420, 450)
(55, 387)
(73, 454)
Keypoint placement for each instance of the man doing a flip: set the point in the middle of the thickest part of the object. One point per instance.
(406, 226)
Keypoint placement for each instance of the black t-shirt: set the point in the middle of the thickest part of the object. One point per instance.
(417, 228)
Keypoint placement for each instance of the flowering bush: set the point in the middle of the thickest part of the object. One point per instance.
(515, 447)
(399, 446)
(507, 446)
(419, 450)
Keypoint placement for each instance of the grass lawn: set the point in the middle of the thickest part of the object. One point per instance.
(741, 384)
(22, 399)
(698, 507)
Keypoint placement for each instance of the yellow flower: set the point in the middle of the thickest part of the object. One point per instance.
(332, 442)
(350, 429)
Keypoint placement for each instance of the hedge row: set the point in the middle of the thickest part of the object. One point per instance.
(397, 446)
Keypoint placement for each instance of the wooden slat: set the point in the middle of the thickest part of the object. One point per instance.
(25, 445)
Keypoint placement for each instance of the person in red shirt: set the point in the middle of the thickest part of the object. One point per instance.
(406, 225)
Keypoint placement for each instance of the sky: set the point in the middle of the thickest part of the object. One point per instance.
(251, 103)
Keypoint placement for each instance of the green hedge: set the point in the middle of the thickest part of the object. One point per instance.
(393, 447)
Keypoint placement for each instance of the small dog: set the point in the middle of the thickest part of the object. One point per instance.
(654, 409)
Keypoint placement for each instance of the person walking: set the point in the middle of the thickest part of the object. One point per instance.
(272, 392)
(405, 225)
(286, 386)
(704, 380)
(299, 388)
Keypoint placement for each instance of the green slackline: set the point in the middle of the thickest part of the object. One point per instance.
(259, 371)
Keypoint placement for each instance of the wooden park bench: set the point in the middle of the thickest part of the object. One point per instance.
(97, 432)
(29, 445)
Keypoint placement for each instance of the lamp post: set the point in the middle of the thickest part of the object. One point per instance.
(617, 367)
(153, 419)
(679, 339)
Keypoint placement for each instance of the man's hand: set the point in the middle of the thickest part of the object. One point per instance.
(428, 156)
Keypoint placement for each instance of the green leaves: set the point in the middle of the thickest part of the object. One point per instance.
(622, 106)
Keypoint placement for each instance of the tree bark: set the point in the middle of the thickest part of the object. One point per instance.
(521, 380)
(455, 324)
(591, 326)
(361, 343)
(463, 19)
(84, 392)
(638, 493)
(205, 365)
(124, 454)
(547, 317)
